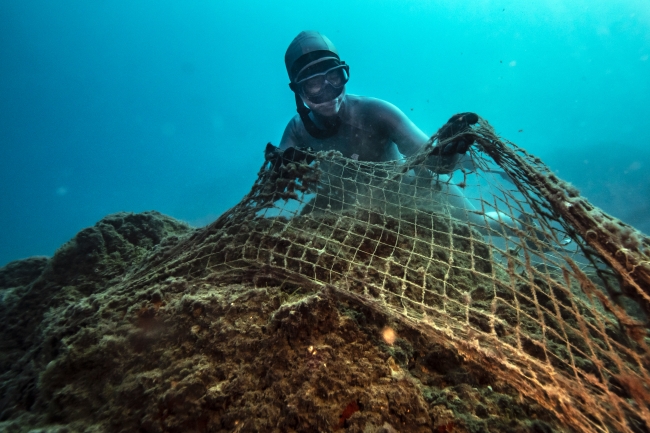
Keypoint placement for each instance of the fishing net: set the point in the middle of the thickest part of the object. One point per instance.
(500, 260)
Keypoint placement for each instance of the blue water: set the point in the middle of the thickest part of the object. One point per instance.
(110, 106)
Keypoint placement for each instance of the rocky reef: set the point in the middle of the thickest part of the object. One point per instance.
(81, 349)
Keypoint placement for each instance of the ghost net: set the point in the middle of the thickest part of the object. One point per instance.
(501, 260)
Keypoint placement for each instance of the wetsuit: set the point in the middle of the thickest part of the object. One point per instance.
(375, 130)
(371, 130)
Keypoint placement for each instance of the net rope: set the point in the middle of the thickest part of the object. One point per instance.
(500, 260)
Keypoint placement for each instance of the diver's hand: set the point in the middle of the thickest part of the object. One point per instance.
(271, 152)
(280, 158)
(456, 124)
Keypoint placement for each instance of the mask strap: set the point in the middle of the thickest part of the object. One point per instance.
(310, 126)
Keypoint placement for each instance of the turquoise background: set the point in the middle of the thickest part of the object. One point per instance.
(110, 106)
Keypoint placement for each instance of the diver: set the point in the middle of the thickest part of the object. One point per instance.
(370, 129)
(360, 127)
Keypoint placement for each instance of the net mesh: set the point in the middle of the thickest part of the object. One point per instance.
(500, 259)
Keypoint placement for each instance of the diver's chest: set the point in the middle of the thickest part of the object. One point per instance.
(360, 145)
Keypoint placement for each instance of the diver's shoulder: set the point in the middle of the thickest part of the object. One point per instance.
(293, 132)
(360, 99)
(372, 105)
(294, 124)
(369, 101)
(294, 119)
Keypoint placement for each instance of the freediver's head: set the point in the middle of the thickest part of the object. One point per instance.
(316, 72)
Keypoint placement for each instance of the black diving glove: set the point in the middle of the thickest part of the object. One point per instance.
(457, 123)
(287, 156)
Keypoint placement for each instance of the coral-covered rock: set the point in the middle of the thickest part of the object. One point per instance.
(21, 272)
(36, 289)
(101, 340)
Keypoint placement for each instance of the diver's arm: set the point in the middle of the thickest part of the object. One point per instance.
(409, 138)
(400, 129)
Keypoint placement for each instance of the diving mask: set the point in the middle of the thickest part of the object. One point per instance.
(316, 89)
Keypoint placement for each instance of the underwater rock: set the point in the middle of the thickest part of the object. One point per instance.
(93, 340)
(20, 273)
(35, 290)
